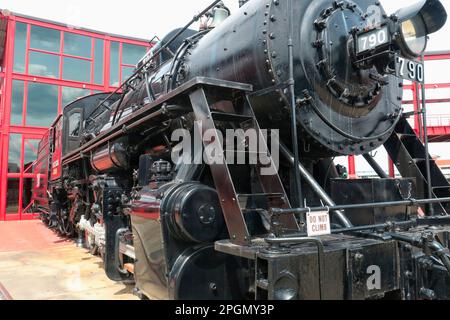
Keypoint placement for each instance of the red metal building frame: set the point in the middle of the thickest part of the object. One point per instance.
(436, 133)
(7, 75)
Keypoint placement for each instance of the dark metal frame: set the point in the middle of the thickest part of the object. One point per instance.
(201, 100)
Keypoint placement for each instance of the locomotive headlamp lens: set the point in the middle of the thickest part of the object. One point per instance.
(414, 36)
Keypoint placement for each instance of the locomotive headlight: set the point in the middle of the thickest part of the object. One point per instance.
(413, 36)
(416, 22)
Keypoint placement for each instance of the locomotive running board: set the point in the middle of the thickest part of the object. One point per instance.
(201, 100)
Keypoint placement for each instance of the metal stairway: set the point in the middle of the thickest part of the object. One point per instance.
(215, 105)
(408, 154)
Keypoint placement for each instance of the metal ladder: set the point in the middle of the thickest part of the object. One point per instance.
(408, 154)
(211, 105)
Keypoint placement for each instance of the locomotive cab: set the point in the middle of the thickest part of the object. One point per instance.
(75, 115)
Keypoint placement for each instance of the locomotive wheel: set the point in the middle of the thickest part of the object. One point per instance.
(45, 219)
(94, 250)
(65, 226)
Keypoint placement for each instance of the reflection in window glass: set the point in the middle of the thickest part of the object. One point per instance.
(15, 150)
(114, 64)
(98, 61)
(12, 196)
(30, 149)
(126, 73)
(74, 124)
(17, 102)
(42, 106)
(77, 70)
(131, 54)
(45, 39)
(77, 45)
(20, 41)
(69, 94)
(27, 192)
(46, 65)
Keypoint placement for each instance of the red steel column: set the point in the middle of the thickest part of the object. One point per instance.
(4, 141)
(106, 62)
(417, 116)
(391, 168)
(351, 167)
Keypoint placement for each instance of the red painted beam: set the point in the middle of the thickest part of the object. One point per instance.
(87, 33)
(429, 86)
(446, 100)
(57, 82)
(352, 167)
(391, 168)
(4, 141)
(434, 57)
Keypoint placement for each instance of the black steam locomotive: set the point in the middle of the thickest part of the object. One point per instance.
(311, 79)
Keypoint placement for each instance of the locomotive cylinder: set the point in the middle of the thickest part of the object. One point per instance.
(192, 210)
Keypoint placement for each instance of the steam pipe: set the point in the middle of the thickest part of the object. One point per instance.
(375, 166)
(316, 187)
(298, 194)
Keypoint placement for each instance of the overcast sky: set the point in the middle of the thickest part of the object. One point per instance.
(137, 18)
(145, 19)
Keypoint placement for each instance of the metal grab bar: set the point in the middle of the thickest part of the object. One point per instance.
(409, 203)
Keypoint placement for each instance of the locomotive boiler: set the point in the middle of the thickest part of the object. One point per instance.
(313, 80)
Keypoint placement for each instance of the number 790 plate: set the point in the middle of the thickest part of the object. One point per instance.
(409, 69)
(372, 40)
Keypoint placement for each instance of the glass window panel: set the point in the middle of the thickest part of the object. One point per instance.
(114, 64)
(46, 65)
(74, 124)
(126, 73)
(31, 149)
(27, 193)
(98, 61)
(20, 41)
(131, 54)
(69, 94)
(12, 196)
(77, 45)
(42, 106)
(45, 39)
(17, 102)
(77, 70)
(15, 150)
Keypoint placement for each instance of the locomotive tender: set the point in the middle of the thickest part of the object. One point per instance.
(313, 79)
